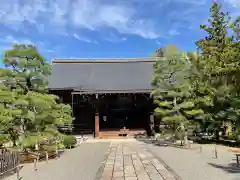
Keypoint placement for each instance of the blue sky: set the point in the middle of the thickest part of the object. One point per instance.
(104, 28)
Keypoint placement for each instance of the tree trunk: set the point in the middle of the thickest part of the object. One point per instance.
(217, 134)
(14, 142)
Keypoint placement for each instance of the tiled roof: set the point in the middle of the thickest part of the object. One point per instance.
(102, 75)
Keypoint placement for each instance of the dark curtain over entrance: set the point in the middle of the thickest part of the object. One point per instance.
(131, 111)
(84, 114)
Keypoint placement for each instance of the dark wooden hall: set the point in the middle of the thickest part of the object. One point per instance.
(106, 95)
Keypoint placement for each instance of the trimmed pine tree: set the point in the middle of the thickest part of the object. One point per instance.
(172, 93)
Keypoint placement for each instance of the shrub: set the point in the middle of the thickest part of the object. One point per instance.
(69, 141)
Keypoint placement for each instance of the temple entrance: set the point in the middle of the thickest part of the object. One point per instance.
(114, 112)
(129, 111)
(114, 119)
(124, 118)
(83, 112)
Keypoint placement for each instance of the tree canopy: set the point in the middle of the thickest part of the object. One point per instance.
(207, 82)
(28, 113)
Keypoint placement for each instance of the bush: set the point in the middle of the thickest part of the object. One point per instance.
(69, 141)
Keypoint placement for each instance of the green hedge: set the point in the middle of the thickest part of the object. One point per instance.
(69, 141)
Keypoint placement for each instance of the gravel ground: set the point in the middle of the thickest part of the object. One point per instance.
(81, 163)
(193, 165)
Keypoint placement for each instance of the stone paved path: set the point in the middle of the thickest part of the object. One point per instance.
(99, 160)
(132, 161)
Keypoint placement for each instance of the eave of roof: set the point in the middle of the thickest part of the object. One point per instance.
(148, 91)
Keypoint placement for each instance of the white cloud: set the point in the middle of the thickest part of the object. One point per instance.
(114, 38)
(173, 32)
(234, 3)
(84, 39)
(62, 14)
(7, 43)
(14, 13)
(145, 18)
(50, 50)
(158, 42)
(12, 40)
(94, 15)
(191, 2)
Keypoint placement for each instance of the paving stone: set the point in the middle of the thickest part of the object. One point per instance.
(157, 178)
(118, 174)
(143, 177)
(118, 169)
(104, 178)
(131, 178)
(146, 162)
(128, 168)
(133, 162)
(129, 173)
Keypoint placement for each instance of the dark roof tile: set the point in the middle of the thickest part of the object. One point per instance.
(102, 74)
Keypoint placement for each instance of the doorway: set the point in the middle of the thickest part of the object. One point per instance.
(130, 111)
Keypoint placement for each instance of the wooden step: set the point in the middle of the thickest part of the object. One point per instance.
(114, 137)
(115, 134)
(111, 134)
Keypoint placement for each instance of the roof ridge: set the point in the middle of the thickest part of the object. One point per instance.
(102, 60)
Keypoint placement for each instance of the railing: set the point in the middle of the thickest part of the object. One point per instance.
(9, 162)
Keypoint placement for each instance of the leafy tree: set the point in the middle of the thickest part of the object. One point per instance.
(201, 94)
(29, 113)
(172, 92)
(169, 50)
(234, 110)
(159, 52)
(216, 82)
(30, 70)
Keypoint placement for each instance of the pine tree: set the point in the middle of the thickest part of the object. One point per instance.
(215, 51)
(172, 93)
(34, 115)
(9, 126)
(29, 69)
(218, 78)
(234, 110)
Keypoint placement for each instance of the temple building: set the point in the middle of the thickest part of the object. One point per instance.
(107, 95)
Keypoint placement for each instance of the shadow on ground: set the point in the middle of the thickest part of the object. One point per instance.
(230, 168)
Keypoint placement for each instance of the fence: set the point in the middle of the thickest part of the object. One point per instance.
(9, 162)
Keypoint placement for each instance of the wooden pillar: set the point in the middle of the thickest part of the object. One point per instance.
(96, 125)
